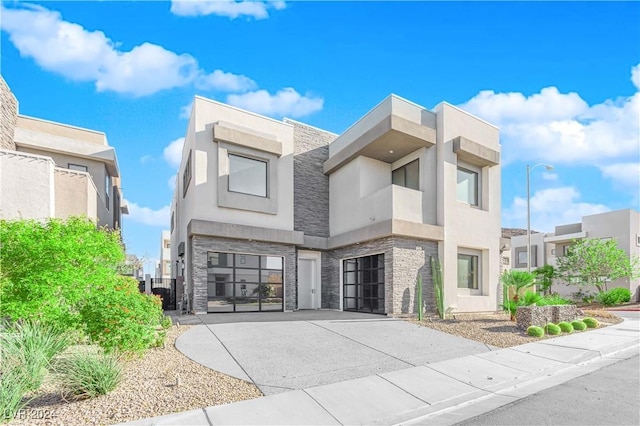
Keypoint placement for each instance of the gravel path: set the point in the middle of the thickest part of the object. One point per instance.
(148, 389)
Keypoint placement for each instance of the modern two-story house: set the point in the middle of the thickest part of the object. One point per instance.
(274, 215)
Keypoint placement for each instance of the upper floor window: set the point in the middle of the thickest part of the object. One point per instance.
(107, 187)
(467, 187)
(77, 167)
(407, 175)
(186, 175)
(247, 176)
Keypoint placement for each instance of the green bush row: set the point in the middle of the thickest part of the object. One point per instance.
(615, 296)
(562, 327)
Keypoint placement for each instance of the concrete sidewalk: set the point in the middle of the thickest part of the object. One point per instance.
(444, 392)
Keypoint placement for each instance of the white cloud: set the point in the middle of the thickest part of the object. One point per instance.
(285, 102)
(172, 153)
(225, 81)
(228, 8)
(185, 111)
(146, 159)
(148, 216)
(549, 176)
(625, 174)
(550, 207)
(171, 183)
(561, 128)
(78, 54)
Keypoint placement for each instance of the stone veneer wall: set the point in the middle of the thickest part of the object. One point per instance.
(527, 316)
(403, 259)
(200, 245)
(310, 184)
(8, 116)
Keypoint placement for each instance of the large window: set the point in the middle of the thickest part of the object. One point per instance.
(407, 175)
(244, 282)
(467, 188)
(363, 284)
(247, 176)
(468, 271)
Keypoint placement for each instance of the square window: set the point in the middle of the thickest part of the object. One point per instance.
(407, 175)
(468, 271)
(247, 176)
(467, 186)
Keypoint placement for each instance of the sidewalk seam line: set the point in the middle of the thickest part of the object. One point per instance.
(322, 406)
(405, 391)
(207, 416)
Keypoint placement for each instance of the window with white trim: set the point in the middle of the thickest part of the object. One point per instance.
(77, 167)
(467, 186)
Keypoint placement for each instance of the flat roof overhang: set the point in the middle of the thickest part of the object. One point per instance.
(389, 140)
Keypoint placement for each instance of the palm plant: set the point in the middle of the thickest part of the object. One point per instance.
(513, 283)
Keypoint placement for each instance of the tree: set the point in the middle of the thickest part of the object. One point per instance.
(513, 283)
(594, 262)
(548, 273)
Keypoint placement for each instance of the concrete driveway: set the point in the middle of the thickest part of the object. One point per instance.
(294, 350)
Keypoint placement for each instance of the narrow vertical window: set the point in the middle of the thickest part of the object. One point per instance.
(467, 187)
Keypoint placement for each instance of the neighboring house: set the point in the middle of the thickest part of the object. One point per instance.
(164, 266)
(621, 225)
(50, 169)
(272, 215)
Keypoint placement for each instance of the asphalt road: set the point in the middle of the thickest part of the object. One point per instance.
(609, 396)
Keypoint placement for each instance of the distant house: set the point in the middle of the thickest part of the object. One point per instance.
(272, 215)
(164, 268)
(620, 225)
(50, 169)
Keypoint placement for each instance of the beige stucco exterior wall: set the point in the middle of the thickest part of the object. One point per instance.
(468, 227)
(75, 194)
(63, 130)
(26, 186)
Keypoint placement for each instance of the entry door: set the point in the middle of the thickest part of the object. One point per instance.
(308, 296)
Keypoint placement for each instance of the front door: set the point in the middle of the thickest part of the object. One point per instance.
(308, 296)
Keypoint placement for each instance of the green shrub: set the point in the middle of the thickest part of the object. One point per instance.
(89, 373)
(530, 298)
(120, 318)
(566, 327)
(535, 331)
(27, 348)
(591, 322)
(13, 387)
(615, 296)
(553, 299)
(579, 325)
(166, 322)
(552, 329)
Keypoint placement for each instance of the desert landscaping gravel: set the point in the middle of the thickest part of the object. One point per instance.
(165, 381)
(149, 388)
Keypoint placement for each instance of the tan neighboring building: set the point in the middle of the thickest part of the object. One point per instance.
(50, 169)
(164, 267)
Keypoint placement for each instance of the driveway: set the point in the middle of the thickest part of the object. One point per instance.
(294, 350)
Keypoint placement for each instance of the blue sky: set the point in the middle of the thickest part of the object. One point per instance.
(561, 80)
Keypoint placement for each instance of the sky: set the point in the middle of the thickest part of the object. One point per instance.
(560, 80)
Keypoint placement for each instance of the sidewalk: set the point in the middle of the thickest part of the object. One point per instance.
(443, 392)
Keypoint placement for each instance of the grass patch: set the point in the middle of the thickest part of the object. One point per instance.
(89, 373)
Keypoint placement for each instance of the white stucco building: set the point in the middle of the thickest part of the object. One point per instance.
(620, 225)
(279, 215)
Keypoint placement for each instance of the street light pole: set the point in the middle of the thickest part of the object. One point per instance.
(529, 168)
